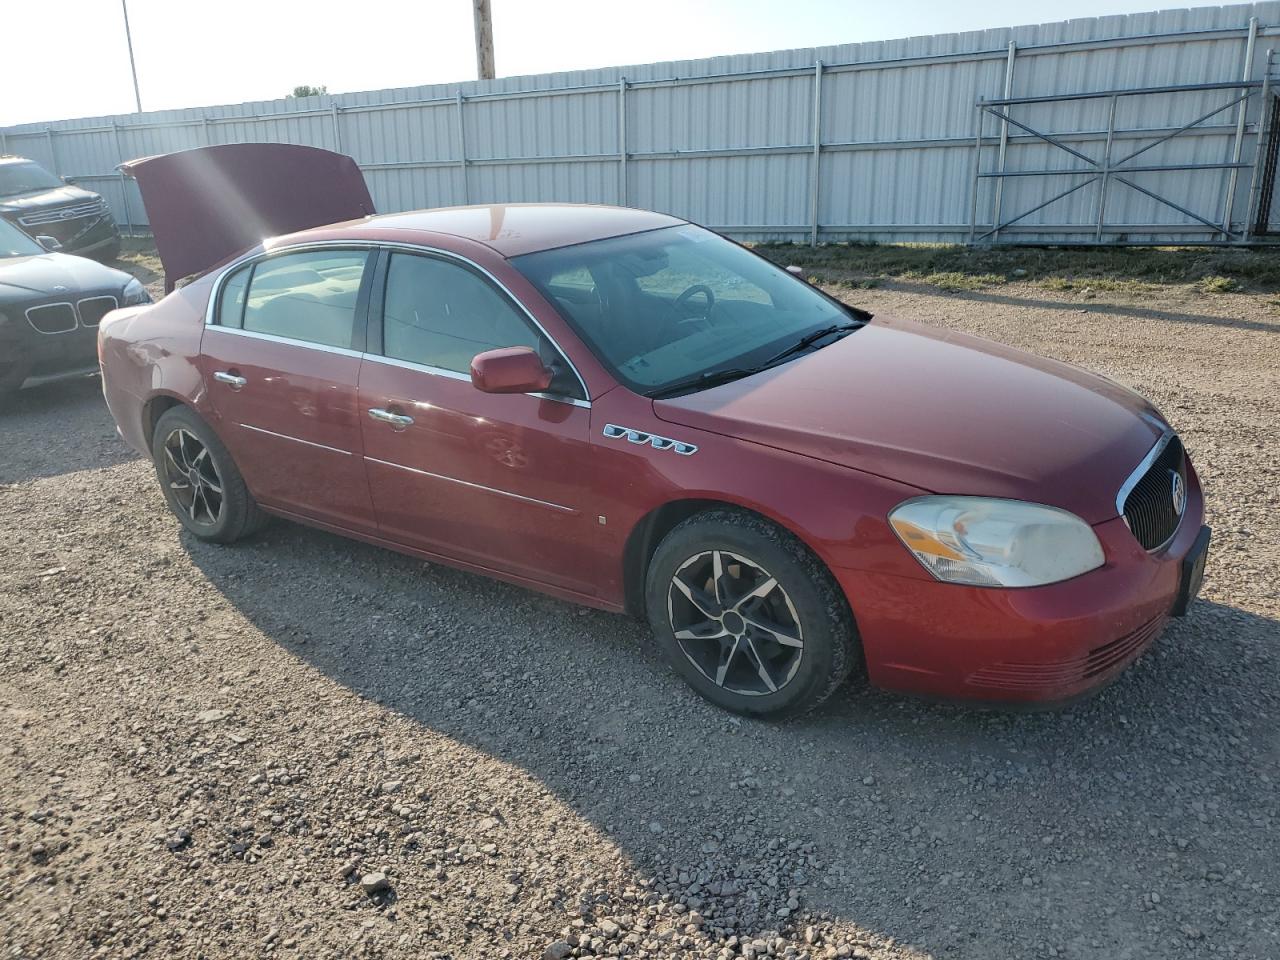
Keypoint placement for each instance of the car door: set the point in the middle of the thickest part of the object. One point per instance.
(496, 480)
(281, 361)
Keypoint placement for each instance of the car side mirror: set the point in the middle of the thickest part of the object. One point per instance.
(69, 180)
(51, 244)
(796, 271)
(510, 370)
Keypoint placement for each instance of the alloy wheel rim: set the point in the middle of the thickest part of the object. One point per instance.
(192, 477)
(735, 623)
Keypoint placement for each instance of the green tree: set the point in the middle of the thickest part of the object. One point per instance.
(306, 90)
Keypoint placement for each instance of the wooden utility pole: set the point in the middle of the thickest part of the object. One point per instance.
(484, 40)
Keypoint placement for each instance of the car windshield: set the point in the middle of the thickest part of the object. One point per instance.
(680, 304)
(15, 243)
(25, 177)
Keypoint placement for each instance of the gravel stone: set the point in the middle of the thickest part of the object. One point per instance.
(347, 668)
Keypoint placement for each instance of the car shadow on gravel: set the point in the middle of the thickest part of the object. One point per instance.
(56, 428)
(941, 825)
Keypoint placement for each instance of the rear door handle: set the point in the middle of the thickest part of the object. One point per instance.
(397, 420)
(230, 379)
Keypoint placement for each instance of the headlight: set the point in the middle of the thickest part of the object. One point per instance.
(996, 543)
(135, 292)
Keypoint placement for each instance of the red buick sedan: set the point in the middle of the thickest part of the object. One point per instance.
(628, 411)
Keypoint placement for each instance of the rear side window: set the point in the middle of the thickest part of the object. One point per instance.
(231, 300)
(441, 314)
(305, 296)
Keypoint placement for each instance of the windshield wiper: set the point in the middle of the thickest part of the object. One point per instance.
(714, 377)
(809, 340)
(703, 380)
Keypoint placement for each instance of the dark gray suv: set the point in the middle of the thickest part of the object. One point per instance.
(41, 205)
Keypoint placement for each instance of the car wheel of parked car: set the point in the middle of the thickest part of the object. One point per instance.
(200, 480)
(748, 616)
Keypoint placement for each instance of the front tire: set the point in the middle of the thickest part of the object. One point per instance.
(748, 616)
(200, 481)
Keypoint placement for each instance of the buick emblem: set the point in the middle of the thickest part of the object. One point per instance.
(1177, 492)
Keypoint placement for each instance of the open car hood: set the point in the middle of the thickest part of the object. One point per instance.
(210, 203)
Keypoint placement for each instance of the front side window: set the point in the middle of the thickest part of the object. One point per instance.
(307, 296)
(439, 313)
(661, 307)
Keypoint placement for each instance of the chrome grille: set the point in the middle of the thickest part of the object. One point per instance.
(58, 214)
(52, 318)
(1149, 507)
(93, 309)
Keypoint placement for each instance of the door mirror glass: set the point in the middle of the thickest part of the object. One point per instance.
(510, 370)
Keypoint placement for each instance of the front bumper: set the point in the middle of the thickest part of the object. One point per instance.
(41, 354)
(1037, 645)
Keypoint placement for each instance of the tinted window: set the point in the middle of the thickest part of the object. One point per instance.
(231, 300)
(441, 314)
(306, 296)
(25, 177)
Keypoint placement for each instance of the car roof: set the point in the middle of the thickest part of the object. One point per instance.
(513, 229)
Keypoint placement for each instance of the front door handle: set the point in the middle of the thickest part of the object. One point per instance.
(230, 379)
(397, 420)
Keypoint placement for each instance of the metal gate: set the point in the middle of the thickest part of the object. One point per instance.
(1217, 195)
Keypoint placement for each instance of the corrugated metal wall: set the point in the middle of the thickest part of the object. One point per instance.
(730, 141)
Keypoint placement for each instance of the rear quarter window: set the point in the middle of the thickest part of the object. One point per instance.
(231, 299)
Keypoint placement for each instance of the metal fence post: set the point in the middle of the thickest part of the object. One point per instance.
(980, 110)
(1246, 75)
(334, 111)
(53, 153)
(1264, 117)
(1106, 169)
(815, 183)
(623, 191)
(204, 128)
(462, 151)
(1004, 140)
(124, 181)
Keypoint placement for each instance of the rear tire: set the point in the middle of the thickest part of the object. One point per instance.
(200, 481)
(748, 616)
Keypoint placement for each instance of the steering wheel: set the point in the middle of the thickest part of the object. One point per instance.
(681, 304)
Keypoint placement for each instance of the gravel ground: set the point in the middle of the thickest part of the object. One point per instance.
(302, 746)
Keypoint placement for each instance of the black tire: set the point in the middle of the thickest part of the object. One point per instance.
(237, 514)
(108, 254)
(752, 551)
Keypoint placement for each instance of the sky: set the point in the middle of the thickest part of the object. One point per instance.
(192, 53)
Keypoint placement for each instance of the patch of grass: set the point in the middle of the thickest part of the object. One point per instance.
(1132, 270)
(1217, 284)
(956, 280)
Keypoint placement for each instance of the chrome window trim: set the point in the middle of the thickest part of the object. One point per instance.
(421, 367)
(455, 375)
(285, 436)
(75, 318)
(1140, 470)
(216, 291)
(289, 341)
(475, 486)
(115, 305)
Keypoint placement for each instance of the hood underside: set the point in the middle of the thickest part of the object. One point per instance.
(208, 204)
(942, 411)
